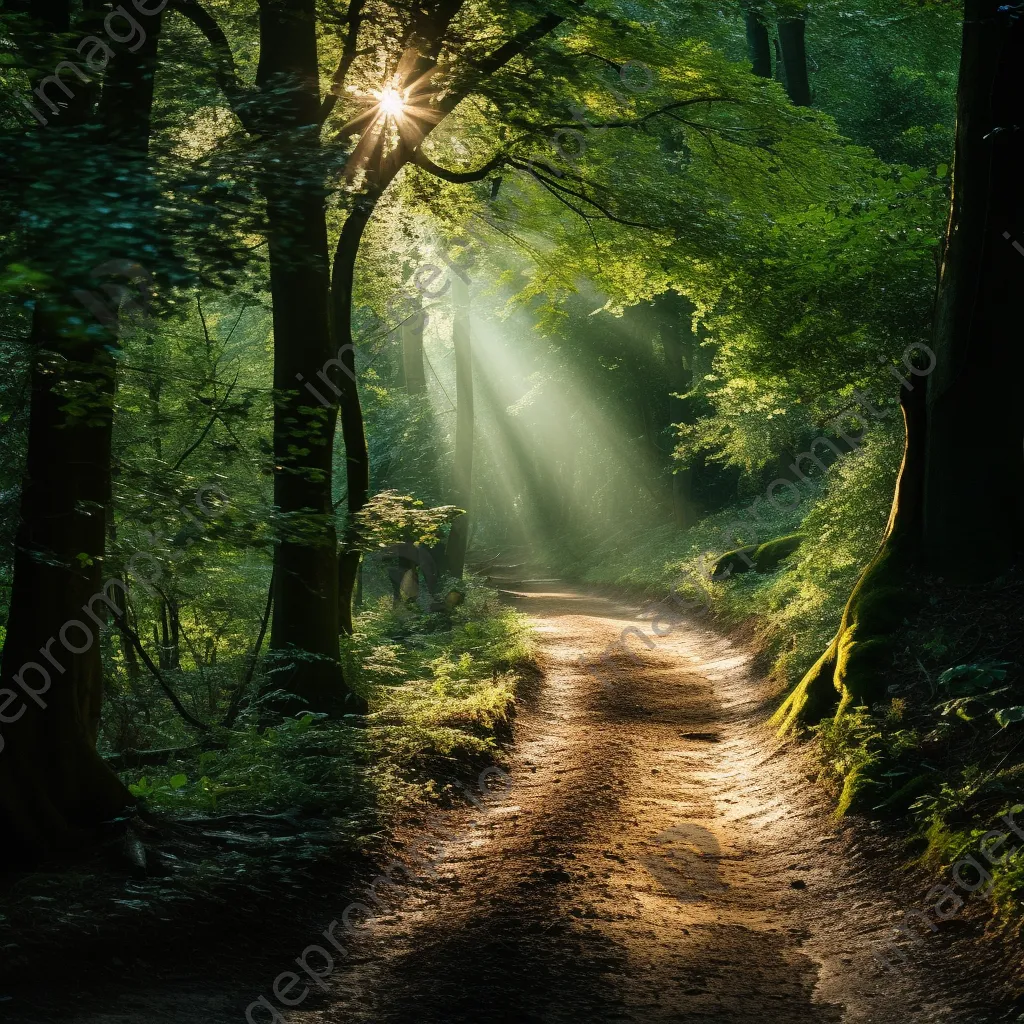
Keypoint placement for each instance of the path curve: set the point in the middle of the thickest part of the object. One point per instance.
(659, 858)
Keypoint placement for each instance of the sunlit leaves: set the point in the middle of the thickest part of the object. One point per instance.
(390, 518)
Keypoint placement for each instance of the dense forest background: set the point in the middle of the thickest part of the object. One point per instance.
(318, 317)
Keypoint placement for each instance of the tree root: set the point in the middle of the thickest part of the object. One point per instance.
(852, 670)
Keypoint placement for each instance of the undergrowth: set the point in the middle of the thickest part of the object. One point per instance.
(267, 812)
(842, 518)
(441, 688)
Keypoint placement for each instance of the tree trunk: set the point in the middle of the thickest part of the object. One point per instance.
(164, 645)
(638, 326)
(853, 669)
(973, 512)
(304, 635)
(780, 65)
(168, 655)
(123, 614)
(673, 313)
(412, 354)
(126, 105)
(759, 45)
(462, 490)
(962, 509)
(54, 786)
(304, 652)
(569, 473)
(53, 783)
(353, 431)
(794, 57)
(174, 646)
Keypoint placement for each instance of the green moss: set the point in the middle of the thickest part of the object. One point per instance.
(761, 558)
(771, 554)
(855, 663)
(813, 698)
(855, 787)
(736, 562)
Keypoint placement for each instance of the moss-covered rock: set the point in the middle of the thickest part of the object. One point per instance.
(762, 558)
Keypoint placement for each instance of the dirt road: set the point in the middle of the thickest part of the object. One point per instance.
(657, 859)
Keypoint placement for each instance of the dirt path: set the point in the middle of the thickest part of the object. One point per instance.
(655, 860)
(658, 858)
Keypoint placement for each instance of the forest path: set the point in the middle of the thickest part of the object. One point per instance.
(658, 858)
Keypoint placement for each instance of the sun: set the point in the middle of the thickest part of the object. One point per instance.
(397, 112)
(390, 102)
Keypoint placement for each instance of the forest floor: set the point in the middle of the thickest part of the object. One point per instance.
(658, 857)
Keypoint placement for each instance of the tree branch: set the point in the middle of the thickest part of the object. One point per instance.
(421, 160)
(605, 60)
(224, 71)
(155, 672)
(349, 53)
(636, 122)
(544, 184)
(236, 700)
(199, 440)
(508, 51)
(553, 185)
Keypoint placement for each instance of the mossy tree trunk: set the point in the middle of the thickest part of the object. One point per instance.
(852, 670)
(959, 504)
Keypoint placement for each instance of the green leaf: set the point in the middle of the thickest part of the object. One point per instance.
(1007, 716)
(141, 788)
(963, 680)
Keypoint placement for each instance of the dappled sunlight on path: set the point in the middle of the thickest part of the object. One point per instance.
(657, 859)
